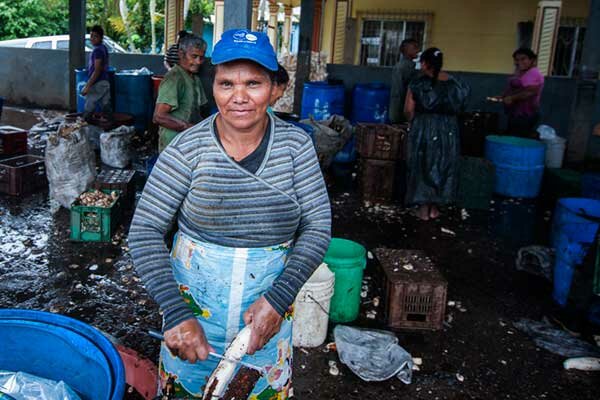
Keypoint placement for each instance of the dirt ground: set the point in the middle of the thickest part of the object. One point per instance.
(477, 355)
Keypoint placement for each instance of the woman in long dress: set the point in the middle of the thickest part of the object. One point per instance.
(432, 104)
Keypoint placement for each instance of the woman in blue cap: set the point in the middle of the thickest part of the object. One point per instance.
(254, 223)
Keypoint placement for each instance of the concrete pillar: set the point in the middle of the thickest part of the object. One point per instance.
(287, 28)
(272, 31)
(307, 13)
(254, 22)
(219, 14)
(76, 46)
(586, 111)
(237, 14)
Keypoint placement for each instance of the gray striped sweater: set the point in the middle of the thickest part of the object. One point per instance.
(217, 201)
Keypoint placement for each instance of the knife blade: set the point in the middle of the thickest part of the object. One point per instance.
(157, 335)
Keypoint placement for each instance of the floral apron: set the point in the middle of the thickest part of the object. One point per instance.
(219, 284)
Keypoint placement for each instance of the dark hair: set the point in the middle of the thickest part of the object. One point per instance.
(281, 76)
(97, 29)
(525, 51)
(408, 41)
(182, 34)
(435, 59)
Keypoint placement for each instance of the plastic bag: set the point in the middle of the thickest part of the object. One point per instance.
(70, 166)
(23, 386)
(536, 260)
(92, 133)
(114, 147)
(373, 355)
(555, 340)
(330, 136)
(546, 132)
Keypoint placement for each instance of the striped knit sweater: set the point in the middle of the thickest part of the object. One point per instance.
(217, 201)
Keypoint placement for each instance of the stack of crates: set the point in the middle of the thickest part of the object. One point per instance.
(121, 180)
(22, 175)
(414, 290)
(380, 147)
(13, 141)
(95, 224)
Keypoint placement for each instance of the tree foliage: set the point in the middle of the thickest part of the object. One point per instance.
(25, 18)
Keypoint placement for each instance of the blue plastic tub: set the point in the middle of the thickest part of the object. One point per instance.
(370, 103)
(519, 165)
(322, 100)
(56, 347)
(134, 96)
(590, 185)
(81, 78)
(574, 228)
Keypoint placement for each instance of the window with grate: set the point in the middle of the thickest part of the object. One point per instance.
(567, 54)
(380, 40)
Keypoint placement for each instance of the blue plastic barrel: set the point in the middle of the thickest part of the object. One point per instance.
(134, 96)
(322, 100)
(81, 78)
(590, 185)
(574, 228)
(56, 347)
(370, 103)
(348, 152)
(519, 165)
(1, 105)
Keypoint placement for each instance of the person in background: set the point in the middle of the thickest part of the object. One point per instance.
(432, 103)
(404, 72)
(282, 78)
(254, 223)
(180, 94)
(97, 88)
(522, 95)
(172, 55)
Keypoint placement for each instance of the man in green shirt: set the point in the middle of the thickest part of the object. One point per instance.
(180, 95)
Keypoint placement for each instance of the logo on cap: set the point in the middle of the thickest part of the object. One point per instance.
(251, 37)
(239, 35)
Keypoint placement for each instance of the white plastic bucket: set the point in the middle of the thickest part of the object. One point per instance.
(555, 151)
(311, 312)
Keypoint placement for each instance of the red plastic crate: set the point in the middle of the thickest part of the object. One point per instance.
(13, 140)
(415, 296)
(22, 175)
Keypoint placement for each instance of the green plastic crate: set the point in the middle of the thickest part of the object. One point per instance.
(95, 224)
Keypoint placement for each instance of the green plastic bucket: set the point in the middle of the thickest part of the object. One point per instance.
(347, 260)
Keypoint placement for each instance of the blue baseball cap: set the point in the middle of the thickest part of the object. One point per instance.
(242, 44)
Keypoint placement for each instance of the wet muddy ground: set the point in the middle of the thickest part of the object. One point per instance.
(477, 355)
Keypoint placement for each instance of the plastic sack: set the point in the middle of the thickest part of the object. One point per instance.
(70, 165)
(329, 136)
(92, 133)
(536, 260)
(373, 355)
(555, 340)
(114, 146)
(23, 386)
(546, 132)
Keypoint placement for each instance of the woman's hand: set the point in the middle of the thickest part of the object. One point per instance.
(265, 321)
(187, 341)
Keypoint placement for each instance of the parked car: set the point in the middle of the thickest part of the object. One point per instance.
(59, 42)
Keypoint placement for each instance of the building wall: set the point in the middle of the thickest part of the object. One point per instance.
(36, 77)
(475, 35)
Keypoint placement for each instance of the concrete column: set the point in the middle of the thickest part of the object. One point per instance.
(238, 14)
(272, 31)
(254, 22)
(287, 28)
(307, 13)
(586, 111)
(76, 46)
(219, 14)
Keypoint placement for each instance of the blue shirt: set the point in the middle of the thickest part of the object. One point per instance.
(100, 52)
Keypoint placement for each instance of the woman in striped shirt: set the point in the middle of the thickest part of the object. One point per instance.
(254, 223)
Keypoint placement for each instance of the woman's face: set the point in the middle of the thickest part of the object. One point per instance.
(523, 63)
(242, 90)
